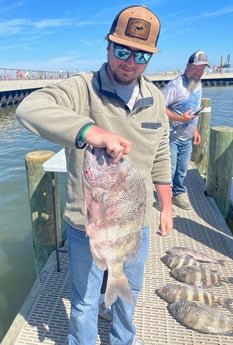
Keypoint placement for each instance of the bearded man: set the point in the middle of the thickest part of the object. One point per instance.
(183, 99)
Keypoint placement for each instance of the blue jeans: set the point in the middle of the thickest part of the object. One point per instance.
(86, 281)
(180, 157)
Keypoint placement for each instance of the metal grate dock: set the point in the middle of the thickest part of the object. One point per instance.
(43, 319)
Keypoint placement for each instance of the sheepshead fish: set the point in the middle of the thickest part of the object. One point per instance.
(115, 201)
(174, 292)
(195, 254)
(201, 317)
(177, 261)
(199, 276)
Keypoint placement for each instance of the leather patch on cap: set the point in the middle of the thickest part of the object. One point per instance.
(138, 28)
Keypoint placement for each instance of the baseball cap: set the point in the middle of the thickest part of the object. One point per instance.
(199, 58)
(137, 27)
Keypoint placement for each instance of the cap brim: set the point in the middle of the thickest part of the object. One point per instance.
(199, 63)
(132, 44)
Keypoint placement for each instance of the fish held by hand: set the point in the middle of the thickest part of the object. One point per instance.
(115, 201)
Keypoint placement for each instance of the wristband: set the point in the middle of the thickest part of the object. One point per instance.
(81, 137)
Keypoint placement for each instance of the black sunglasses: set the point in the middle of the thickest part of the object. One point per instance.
(124, 53)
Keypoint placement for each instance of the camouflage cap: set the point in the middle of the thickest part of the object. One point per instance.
(136, 27)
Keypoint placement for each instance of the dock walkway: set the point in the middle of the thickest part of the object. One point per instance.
(43, 319)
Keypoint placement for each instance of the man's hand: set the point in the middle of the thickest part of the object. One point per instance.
(187, 117)
(166, 222)
(116, 146)
(165, 199)
(196, 137)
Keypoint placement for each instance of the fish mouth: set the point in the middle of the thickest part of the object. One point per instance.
(97, 155)
(97, 167)
(163, 259)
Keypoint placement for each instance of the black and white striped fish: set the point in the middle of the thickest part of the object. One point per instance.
(199, 276)
(201, 317)
(176, 260)
(174, 292)
(195, 254)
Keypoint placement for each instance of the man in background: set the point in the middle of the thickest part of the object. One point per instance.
(183, 100)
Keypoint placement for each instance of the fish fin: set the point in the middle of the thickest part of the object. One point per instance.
(100, 264)
(118, 287)
(90, 229)
(133, 255)
(99, 261)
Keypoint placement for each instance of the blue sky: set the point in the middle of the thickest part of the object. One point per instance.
(49, 35)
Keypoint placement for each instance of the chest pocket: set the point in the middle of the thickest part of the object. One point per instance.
(151, 125)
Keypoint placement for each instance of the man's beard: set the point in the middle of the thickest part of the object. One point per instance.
(193, 84)
(119, 79)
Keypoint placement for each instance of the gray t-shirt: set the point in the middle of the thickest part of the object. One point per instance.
(128, 93)
(180, 99)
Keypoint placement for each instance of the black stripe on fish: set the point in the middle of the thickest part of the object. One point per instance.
(199, 276)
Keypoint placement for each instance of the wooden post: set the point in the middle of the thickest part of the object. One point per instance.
(230, 214)
(200, 152)
(220, 167)
(44, 213)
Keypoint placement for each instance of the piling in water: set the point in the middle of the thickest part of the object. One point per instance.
(200, 152)
(44, 207)
(220, 167)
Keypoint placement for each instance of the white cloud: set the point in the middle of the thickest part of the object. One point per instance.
(47, 23)
(11, 27)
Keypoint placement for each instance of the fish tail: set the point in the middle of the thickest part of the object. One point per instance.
(228, 280)
(227, 303)
(221, 262)
(118, 287)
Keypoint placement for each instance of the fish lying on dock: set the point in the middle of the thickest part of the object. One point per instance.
(195, 254)
(176, 260)
(199, 276)
(174, 292)
(201, 317)
(115, 199)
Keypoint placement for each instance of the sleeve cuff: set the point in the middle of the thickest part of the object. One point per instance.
(80, 144)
